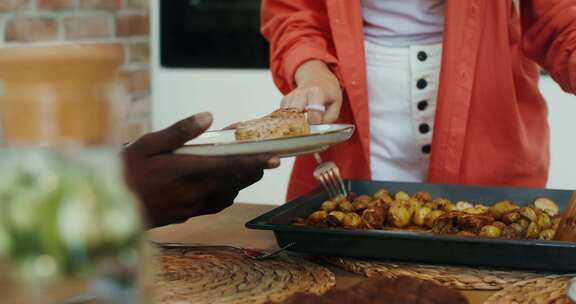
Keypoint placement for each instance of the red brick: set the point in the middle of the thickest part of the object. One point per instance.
(87, 27)
(7, 5)
(136, 81)
(30, 29)
(55, 4)
(132, 25)
(138, 53)
(142, 4)
(101, 4)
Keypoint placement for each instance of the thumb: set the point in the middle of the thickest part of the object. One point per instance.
(174, 136)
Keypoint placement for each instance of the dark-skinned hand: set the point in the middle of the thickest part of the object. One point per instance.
(175, 187)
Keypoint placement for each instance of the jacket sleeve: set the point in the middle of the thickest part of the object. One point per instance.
(298, 31)
(549, 38)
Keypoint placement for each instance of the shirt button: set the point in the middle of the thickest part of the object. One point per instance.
(422, 105)
(422, 83)
(354, 82)
(422, 56)
(426, 149)
(424, 128)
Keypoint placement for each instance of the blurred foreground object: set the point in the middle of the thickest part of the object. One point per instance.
(66, 215)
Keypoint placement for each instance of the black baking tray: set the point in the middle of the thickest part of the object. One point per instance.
(423, 247)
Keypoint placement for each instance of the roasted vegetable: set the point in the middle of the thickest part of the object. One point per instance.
(465, 233)
(529, 213)
(401, 196)
(318, 216)
(413, 205)
(351, 220)
(422, 197)
(547, 205)
(533, 231)
(374, 217)
(442, 204)
(461, 206)
(524, 223)
(500, 225)
(339, 215)
(511, 232)
(432, 217)
(420, 215)
(360, 205)
(547, 234)
(399, 216)
(475, 210)
(329, 206)
(511, 217)
(544, 221)
(380, 193)
(345, 206)
(332, 221)
(490, 231)
(501, 208)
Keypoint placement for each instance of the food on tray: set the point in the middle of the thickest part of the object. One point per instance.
(404, 290)
(280, 123)
(421, 212)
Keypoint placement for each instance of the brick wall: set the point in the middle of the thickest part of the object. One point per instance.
(125, 22)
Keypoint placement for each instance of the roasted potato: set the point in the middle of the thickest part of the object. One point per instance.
(374, 217)
(461, 206)
(340, 198)
(511, 232)
(500, 225)
(529, 213)
(533, 231)
(547, 205)
(339, 215)
(329, 206)
(518, 228)
(556, 223)
(331, 221)
(360, 205)
(413, 205)
(441, 204)
(318, 216)
(431, 217)
(547, 234)
(401, 196)
(475, 210)
(399, 216)
(422, 197)
(490, 231)
(386, 199)
(351, 220)
(482, 207)
(511, 217)
(524, 223)
(345, 206)
(380, 193)
(501, 208)
(420, 216)
(544, 221)
(465, 233)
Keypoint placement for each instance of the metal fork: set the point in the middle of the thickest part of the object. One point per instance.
(328, 174)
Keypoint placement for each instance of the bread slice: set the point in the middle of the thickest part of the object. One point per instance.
(280, 123)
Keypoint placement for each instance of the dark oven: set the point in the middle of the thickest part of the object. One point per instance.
(212, 34)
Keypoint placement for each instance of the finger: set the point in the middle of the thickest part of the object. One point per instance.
(315, 96)
(296, 99)
(231, 127)
(179, 165)
(174, 136)
(332, 112)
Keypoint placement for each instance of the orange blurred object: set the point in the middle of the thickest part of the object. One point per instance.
(59, 94)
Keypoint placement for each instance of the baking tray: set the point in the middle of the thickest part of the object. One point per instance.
(539, 255)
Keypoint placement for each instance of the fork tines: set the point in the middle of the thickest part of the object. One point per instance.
(329, 176)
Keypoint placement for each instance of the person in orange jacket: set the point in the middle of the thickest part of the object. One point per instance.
(443, 91)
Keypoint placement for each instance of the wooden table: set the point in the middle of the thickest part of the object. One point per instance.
(227, 228)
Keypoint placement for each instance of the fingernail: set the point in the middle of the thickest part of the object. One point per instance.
(274, 163)
(203, 119)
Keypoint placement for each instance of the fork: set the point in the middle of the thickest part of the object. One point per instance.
(328, 174)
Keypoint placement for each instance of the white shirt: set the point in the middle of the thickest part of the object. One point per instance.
(396, 23)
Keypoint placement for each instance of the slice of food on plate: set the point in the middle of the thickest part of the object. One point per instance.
(280, 123)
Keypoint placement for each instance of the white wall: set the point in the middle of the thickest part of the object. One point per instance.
(233, 95)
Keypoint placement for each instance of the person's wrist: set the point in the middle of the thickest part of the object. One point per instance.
(313, 70)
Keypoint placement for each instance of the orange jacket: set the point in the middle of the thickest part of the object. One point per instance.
(491, 120)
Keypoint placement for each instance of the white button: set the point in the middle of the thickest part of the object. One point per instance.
(354, 82)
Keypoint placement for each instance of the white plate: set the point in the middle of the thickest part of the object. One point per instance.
(218, 143)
